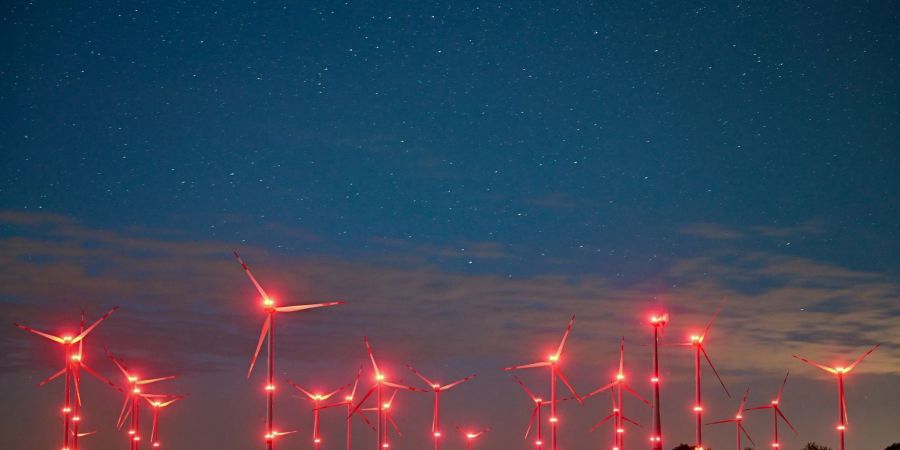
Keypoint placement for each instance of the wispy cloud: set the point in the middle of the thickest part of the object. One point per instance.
(188, 299)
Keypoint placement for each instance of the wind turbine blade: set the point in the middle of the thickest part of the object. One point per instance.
(565, 381)
(597, 425)
(759, 407)
(858, 360)
(76, 379)
(562, 343)
(601, 389)
(788, 422)
(456, 383)
(391, 400)
(709, 324)
(94, 325)
(330, 394)
(304, 391)
(528, 366)
(356, 383)
(783, 383)
(344, 403)
(531, 422)
(844, 410)
(81, 330)
(714, 370)
(722, 421)
(418, 374)
(635, 394)
(394, 424)
(367, 421)
(747, 434)
(434, 415)
(525, 388)
(53, 338)
(52, 377)
(262, 337)
(632, 422)
(167, 403)
(622, 357)
(365, 397)
(825, 368)
(118, 363)
(286, 309)
(124, 413)
(97, 375)
(252, 278)
(155, 425)
(400, 386)
(743, 402)
(155, 380)
(86, 434)
(371, 356)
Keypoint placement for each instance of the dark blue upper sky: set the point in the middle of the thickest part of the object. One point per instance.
(616, 140)
(607, 126)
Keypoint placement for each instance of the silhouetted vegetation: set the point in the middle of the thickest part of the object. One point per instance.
(894, 446)
(683, 447)
(814, 446)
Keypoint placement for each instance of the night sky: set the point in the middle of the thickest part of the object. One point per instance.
(466, 176)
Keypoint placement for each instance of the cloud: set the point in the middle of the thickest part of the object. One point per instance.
(189, 301)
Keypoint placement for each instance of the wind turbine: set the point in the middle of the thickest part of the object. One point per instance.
(553, 363)
(348, 402)
(377, 388)
(437, 388)
(618, 402)
(471, 435)
(317, 400)
(388, 419)
(697, 342)
(658, 322)
(158, 405)
(739, 422)
(775, 406)
(132, 399)
(840, 371)
(78, 363)
(268, 330)
(72, 359)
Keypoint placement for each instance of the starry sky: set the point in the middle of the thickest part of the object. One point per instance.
(466, 175)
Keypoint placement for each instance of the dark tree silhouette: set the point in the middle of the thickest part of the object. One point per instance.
(894, 446)
(814, 446)
(683, 447)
